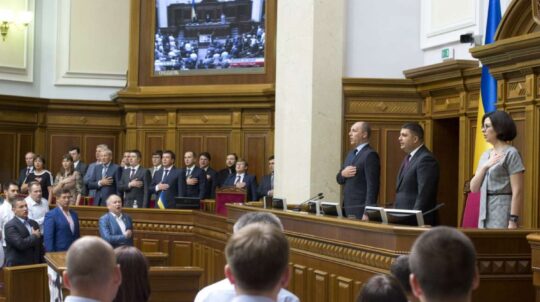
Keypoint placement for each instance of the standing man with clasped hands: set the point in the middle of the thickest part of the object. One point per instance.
(135, 182)
(166, 180)
(192, 178)
(360, 173)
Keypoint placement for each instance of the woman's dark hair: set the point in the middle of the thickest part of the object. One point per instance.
(503, 125)
(70, 159)
(134, 266)
(41, 158)
(382, 288)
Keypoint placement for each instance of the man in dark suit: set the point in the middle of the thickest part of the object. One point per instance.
(192, 178)
(135, 182)
(418, 176)
(105, 179)
(211, 175)
(79, 165)
(24, 172)
(24, 242)
(222, 175)
(360, 173)
(243, 180)
(61, 226)
(266, 187)
(166, 180)
(116, 227)
(92, 167)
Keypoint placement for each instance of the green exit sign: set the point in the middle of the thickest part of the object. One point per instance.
(447, 53)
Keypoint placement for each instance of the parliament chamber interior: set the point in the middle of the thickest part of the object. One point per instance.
(262, 78)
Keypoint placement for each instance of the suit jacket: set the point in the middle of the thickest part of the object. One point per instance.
(417, 184)
(211, 183)
(362, 189)
(172, 180)
(265, 185)
(22, 248)
(251, 185)
(56, 232)
(81, 168)
(110, 231)
(88, 176)
(141, 195)
(197, 190)
(22, 176)
(103, 192)
(223, 174)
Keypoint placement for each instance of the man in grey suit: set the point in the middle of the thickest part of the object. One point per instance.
(360, 173)
(135, 182)
(91, 167)
(105, 179)
(418, 176)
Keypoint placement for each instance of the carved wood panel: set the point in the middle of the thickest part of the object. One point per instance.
(180, 253)
(153, 141)
(8, 169)
(91, 141)
(26, 143)
(149, 245)
(59, 143)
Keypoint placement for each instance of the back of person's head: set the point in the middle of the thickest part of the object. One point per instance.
(257, 258)
(257, 217)
(382, 288)
(401, 271)
(443, 265)
(134, 267)
(92, 271)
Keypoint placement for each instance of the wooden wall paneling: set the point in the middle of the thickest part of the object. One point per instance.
(391, 159)
(300, 282)
(344, 289)
(446, 147)
(153, 141)
(219, 265)
(130, 141)
(188, 142)
(8, 166)
(59, 143)
(256, 153)
(321, 286)
(218, 145)
(26, 143)
(171, 141)
(181, 253)
(90, 141)
(150, 245)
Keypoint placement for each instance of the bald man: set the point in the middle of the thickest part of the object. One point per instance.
(360, 173)
(92, 273)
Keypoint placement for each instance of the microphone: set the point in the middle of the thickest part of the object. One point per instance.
(302, 204)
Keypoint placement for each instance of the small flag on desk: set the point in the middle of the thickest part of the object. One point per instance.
(162, 200)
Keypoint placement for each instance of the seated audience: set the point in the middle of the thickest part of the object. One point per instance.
(68, 178)
(224, 290)
(91, 271)
(134, 267)
(382, 288)
(61, 226)
(257, 262)
(116, 227)
(44, 177)
(401, 271)
(37, 205)
(24, 242)
(443, 266)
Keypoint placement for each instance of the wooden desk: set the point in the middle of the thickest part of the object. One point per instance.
(330, 257)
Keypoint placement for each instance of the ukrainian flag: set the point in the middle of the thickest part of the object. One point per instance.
(162, 200)
(488, 84)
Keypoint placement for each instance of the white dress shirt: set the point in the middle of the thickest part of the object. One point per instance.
(37, 211)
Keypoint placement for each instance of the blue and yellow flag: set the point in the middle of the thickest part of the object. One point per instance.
(488, 84)
(162, 200)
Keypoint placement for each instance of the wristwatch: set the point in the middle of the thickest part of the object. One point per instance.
(514, 218)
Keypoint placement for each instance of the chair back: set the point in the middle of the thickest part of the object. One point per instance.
(225, 195)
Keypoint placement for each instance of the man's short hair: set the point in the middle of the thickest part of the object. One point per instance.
(10, 183)
(192, 152)
(107, 151)
(137, 152)
(401, 271)
(382, 288)
(257, 217)
(258, 256)
(173, 156)
(62, 191)
(75, 148)
(205, 154)
(241, 160)
(366, 128)
(415, 128)
(90, 262)
(33, 184)
(158, 152)
(271, 157)
(443, 260)
(109, 199)
(102, 147)
(503, 125)
(233, 154)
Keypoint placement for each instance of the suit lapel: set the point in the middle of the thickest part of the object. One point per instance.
(22, 228)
